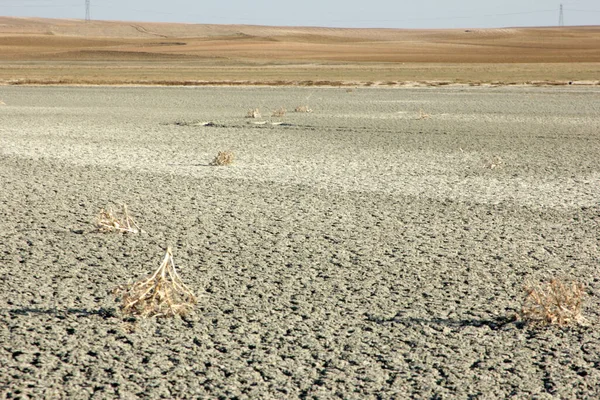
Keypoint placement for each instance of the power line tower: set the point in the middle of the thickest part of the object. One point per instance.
(561, 19)
(87, 10)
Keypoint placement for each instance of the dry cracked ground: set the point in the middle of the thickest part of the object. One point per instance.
(374, 248)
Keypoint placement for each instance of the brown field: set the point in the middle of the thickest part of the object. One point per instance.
(48, 51)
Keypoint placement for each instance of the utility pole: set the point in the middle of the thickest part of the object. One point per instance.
(87, 10)
(561, 20)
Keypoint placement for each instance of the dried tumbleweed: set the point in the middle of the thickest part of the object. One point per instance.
(303, 109)
(279, 112)
(161, 295)
(223, 158)
(254, 113)
(555, 303)
(108, 221)
(423, 114)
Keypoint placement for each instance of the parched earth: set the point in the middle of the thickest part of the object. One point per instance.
(374, 248)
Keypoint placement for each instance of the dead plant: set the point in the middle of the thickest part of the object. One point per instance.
(495, 163)
(555, 303)
(223, 158)
(303, 109)
(254, 113)
(280, 112)
(108, 221)
(161, 295)
(423, 114)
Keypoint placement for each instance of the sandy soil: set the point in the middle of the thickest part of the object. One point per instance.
(42, 51)
(354, 252)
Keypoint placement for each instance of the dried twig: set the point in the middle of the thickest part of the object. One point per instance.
(556, 303)
(107, 221)
(223, 158)
(161, 295)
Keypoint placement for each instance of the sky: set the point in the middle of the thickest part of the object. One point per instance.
(328, 13)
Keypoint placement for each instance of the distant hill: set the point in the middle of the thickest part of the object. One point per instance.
(37, 39)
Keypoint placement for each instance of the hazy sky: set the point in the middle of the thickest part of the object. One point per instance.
(333, 13)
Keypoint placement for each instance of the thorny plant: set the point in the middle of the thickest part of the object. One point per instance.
(254, 113)
(161, 295)
(555, 303)
(108, 221)
(223, 158)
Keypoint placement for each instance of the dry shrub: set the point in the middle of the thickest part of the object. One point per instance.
(303, 109)
(555, 303)
(495, 163)
(108, 221)
(254, 113)
(279, 112)
(223, 158)
(423, 114)
(161, 295)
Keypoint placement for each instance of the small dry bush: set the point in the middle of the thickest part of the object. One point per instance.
(555, 303)
(161, 295)
(254, 113)
(109, 221)
(223, 158)
(303, 109)
(280, 112)
(495, 163)
(423, 114)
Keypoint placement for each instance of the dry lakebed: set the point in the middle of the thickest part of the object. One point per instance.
(374, 248)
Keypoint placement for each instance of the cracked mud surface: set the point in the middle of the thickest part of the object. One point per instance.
(354, 252)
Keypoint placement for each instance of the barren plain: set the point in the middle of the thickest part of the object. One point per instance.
(374, 248)
(47, 51)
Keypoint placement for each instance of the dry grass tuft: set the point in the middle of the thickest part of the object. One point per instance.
(303, 109)
(423, 114)
(108, 221)
(161, 295)
(555, 303)
(2, 103)
(254, 113)
(279, 112)
(223, 158)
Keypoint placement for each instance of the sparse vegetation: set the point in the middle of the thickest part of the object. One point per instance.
(223, 158)
(303, 109)
(555, 303)
(280, 112)
(495, 163)
(423, 114)
(109, 221)
(254, 113)
(161, 295)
